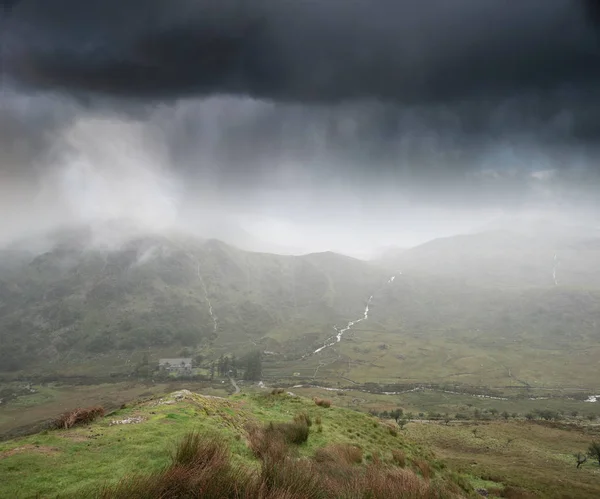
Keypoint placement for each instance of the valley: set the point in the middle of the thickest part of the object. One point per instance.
(420, 328)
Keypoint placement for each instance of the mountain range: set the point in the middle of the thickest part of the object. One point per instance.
(82, 293)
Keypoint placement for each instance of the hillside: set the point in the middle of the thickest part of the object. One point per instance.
(93, 301)
(274, 444)
(504, 258)
(269, 446)
(87, 296)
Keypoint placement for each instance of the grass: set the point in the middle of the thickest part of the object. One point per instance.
(67, 396)
(70, 462)
(522, 455)
(201, 467)
(77, 417)
(273, 433)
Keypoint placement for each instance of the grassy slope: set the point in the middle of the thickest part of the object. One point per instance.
(74, 303)
(69, 462)
(75, 307)
(524, 454)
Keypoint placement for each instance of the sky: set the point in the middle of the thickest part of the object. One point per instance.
(296, 126)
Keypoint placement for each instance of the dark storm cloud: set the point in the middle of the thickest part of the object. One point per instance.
(347, 110)
(326, 50)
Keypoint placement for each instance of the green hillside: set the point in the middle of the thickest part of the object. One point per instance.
(469, 310)
(271, 446)
(507, 259)
(79, 300)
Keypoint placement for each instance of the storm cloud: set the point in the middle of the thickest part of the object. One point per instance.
(404, 51)
(383, 112)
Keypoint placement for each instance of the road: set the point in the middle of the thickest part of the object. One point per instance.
(234, 384)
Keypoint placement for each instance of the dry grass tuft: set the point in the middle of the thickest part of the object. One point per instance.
(303, 418)
(339, 453)
(79, 416)
(399, 458)
(201, 467)
(423, 467)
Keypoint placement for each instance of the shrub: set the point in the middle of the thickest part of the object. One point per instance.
(323, 403)
(277, 391)
(78, 416)
(399, 457)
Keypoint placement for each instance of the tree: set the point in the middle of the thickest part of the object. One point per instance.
(234, 363)
(594, 451)
(581, 458)
(253, 367)
(397, 414)
(212, 370)
(505, 415)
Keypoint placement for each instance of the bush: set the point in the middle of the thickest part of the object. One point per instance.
(277, 391)
(323, 403)
(78, 416)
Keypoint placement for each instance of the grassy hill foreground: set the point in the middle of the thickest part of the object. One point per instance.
(278, 445)
(190, 445)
